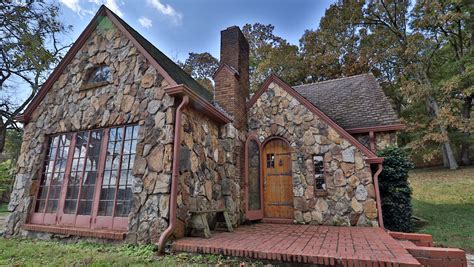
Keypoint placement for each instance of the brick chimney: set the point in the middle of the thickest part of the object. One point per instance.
(232, 77)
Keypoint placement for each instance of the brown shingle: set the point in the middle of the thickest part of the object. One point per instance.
(352, 102)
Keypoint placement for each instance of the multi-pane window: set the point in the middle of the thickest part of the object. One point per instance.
(116, 191)
(83, 175)
(53, 174)
(100, 74)
(254, 188)
(97, 76)
(270, 160)
(87, 174)
(319, 181)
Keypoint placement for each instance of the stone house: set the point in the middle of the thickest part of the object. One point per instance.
(122, 144)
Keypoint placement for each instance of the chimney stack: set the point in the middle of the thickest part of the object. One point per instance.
(232, 77)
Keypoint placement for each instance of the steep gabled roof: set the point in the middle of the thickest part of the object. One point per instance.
(352, 102)
(171, 72)
(371, 156)
(176, 72)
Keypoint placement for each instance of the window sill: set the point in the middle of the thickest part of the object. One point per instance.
(85, 232)
(93, 85)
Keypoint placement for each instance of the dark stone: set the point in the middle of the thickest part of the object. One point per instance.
(221, 172)
(226, 184)
(270, 93)
(187, 126)
(354, 217)
(225, 144)
(253, 123)
(216, 192)
(185, 161)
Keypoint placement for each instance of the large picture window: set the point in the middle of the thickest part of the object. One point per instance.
(86, 179)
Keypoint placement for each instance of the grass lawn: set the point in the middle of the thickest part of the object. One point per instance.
(31, 252)
(445, 199)
(3, 209)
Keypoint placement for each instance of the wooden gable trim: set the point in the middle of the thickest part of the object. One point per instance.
(199, 103)
(375, 129)
(371, 157)
(103, 11)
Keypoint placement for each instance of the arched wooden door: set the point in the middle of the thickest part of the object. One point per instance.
(278, 182)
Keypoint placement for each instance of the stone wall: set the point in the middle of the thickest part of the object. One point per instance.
(135, 96)
(350, 196)
(385, 139)
(382, 139)
(207, 169)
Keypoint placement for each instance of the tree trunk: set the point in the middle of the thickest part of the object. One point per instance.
(445, 157)
(466, 116)
(447, 149)
(3, 134)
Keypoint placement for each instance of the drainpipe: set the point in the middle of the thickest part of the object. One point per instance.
(377, 194)
(174, 178)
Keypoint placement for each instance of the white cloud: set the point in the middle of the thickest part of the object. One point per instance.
(113, 5)
(166, 10)
(145, 22)
(75, 6)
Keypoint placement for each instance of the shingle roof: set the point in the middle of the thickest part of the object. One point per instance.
(352, 102)
(173, 70)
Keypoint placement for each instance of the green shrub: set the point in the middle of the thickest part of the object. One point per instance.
(395, 190)
(6, 176)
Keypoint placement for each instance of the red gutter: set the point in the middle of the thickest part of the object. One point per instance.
(377, 194)
(174, 178)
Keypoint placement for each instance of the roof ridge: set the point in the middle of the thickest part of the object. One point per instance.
(176, 72)
(333, 80)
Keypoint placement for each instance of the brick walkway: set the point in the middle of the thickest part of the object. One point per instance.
(325, 245)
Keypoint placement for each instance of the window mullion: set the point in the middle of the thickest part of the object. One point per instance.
(119, 172)
(67, 174)
(83, 172)
(52, 174)
(100, 174)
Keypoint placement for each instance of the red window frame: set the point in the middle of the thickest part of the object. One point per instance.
(90, 160)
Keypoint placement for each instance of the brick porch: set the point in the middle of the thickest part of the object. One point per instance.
(325, 245)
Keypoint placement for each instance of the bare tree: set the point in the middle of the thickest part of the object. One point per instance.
(29, 49)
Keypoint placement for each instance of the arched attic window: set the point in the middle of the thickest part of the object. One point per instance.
(97, 76)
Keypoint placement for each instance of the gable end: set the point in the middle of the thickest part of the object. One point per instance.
(371, 157)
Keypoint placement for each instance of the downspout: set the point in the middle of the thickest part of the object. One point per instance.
(377, 194)
(174, 178)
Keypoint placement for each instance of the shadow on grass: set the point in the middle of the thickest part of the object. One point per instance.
(452, 225)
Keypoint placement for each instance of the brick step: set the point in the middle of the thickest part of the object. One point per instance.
(421, 247)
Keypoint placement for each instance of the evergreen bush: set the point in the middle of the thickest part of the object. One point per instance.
(395, 190)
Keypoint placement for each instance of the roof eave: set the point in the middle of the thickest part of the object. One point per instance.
(381, 128)
(199, 103)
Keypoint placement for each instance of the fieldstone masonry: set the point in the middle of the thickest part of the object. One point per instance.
(350, 196)
(208, 176)
(135, 96)
(211, 163)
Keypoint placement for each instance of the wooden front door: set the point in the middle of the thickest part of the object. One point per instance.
(278, 182)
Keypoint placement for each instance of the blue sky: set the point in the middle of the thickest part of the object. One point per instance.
(178, 27)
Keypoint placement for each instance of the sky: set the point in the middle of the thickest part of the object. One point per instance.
(178, 27)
